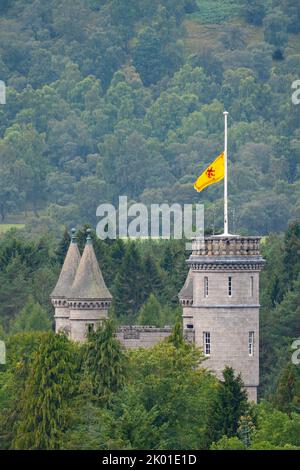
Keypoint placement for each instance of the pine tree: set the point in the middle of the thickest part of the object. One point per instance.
(287, 395)
(230, 404)
(48, 388)
(150, 312)
(176, 338)
(153, 277)
(128, 289)
(31, 318)
(105, 361)
(63, 246)
(292, 252)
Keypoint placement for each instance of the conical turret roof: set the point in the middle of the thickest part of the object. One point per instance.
(186, 292)
(68, 271)
(89, 283)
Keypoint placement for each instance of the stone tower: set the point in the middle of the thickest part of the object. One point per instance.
(220, 301)
(88, 298)
(59, 296)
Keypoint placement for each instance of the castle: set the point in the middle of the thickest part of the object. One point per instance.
(220, 303)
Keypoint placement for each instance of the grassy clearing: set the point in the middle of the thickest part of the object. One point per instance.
(215, 11)
(5, 227)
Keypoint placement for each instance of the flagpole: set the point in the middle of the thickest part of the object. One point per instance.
(225, 176)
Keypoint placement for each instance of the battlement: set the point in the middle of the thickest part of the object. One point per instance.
(140, 328)
(142, 336)
(230, 245)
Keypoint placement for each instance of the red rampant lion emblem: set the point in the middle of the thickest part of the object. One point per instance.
(210, 172)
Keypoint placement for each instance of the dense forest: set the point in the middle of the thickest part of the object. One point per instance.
(115, 399)
(106, 98)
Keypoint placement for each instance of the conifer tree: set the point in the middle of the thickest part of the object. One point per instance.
(150, 312)
(48, 388)
(128, 289)
(176, 338)
(105, 361)
(153, 277)
(31, 318)
(63, 246)
(287, 395)
(292, 252)
(230, 404)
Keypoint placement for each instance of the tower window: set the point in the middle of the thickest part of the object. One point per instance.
(252, 285)
(206, 343)
(229, 286)
(90, 327)
(206, 286)
(251, 343)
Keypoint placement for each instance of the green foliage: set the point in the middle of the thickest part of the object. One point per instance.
(254, 11)
(167, 381)
(228, 443)
(163, 405)
(109, 98)
(150, 312)
(129, 100)
(128, 288)
(20, 349)
(230, 404)
(176, 338)
(287, 395)
(276, 430)
(245, 429)
(50, 383)
(275, 25)
(292, 252)
(215, 11)
(105, 361)
(31, 318)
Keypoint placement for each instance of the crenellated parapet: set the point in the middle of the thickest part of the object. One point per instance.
(226, 253)
(59, 302)
(142, 336)
(89, 304)
(226, 245)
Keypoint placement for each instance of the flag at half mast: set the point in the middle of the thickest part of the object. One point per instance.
(213, 173)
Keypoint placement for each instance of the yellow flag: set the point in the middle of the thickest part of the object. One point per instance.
(213, 173)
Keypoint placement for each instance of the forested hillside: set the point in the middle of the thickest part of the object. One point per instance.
(106, 98)
(116, 97)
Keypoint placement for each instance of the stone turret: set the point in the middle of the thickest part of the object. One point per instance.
(59, 296)
(89, 298)
(220, 301)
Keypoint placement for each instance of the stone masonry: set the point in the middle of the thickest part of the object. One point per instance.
(220, 301)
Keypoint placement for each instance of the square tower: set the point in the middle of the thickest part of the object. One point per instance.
(220, 301)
